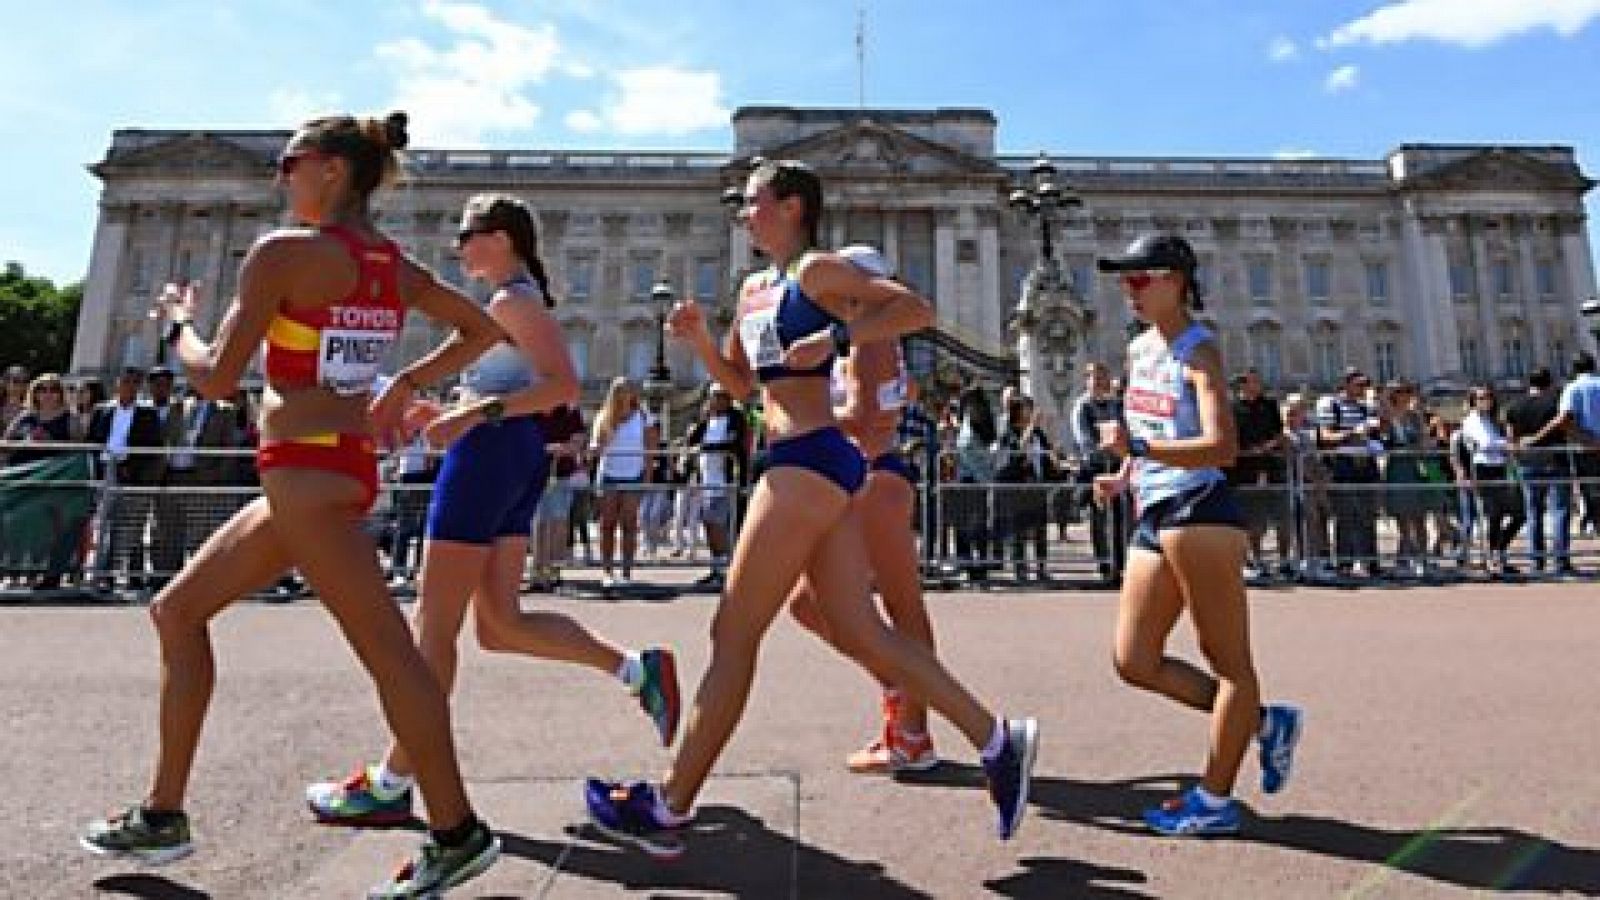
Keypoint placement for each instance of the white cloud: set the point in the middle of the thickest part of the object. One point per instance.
(1288, 153)
(668, 101)
(1342, 79)
(1282, 49)
(290, 106)
(1468, 23)
(584, 121)
(476, 85)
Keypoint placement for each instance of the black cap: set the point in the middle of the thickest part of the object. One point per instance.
(1152, 251)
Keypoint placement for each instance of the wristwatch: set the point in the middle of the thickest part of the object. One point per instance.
(1138, 447)
(841, 338)
(493, 410)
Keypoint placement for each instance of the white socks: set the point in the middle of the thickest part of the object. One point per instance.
(387, 781)
(631, 672)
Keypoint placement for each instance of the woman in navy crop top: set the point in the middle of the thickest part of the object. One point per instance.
(801, 522)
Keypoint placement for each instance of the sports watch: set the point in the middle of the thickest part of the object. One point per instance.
(493, 410)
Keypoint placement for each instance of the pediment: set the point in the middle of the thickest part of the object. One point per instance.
(869, 148)
(187, 152)
(1501, 169)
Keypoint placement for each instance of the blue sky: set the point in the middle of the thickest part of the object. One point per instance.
(1337, 78)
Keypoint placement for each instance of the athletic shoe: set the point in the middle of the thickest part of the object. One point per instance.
(1276, 740)
(436, 868)
(893, 752)
(1010, 772)
(358, 801)
(658, 694)
(129, 835)
(1188, 815)
(627, 813)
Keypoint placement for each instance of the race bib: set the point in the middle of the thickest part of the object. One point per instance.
(348, 359)
(758, 331)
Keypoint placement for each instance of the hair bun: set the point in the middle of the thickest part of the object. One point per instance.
(394, 130)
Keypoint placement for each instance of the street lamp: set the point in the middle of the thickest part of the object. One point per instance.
(1043, 199)
(658, 384)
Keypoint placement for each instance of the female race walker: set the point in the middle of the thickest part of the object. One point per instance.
(483, 503)
(1189, 542)
(801, 520)
(870, 390)
(329, 297)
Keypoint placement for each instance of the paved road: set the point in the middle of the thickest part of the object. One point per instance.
(1451, 746)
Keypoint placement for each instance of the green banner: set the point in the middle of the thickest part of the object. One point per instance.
(44, 506)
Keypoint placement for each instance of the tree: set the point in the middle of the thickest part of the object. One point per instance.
(37, 320)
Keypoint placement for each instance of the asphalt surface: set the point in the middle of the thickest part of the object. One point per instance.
(1451, 747)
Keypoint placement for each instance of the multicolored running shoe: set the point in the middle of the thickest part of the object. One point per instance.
(658, 693)
(358, 801)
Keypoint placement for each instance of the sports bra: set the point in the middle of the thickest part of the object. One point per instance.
(774, 313)
(341, 346)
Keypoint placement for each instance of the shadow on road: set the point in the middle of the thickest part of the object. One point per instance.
(1479, 858)
(148, 887)
(729, 852)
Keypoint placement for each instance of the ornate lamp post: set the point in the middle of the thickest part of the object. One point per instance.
(1043, 199)
(658, 384)
(1047, 322)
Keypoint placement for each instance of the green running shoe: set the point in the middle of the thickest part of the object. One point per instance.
(436, 869)
(128, 835)
(658, 694)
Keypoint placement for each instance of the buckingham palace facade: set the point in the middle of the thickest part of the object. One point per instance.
(1440, 263)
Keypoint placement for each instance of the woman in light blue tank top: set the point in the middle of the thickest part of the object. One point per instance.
(1189, 545)
(483, 502)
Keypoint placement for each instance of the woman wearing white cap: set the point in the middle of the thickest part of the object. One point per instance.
(871, 388)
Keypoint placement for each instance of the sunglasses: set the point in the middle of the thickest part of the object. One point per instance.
(467, 234)
(1141, 279)
(288, 162)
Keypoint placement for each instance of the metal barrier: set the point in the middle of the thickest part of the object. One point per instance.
(1401, 517)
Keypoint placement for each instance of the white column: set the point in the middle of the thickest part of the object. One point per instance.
(1576, 254)
(90, 345)
(214, 274)
(1532, 304)
(836, 229)
(1488, 300)
(992, 323)
(949, 301)
(1426, 300)
(891, 237)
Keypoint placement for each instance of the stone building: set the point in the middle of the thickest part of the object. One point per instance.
(1441, 263)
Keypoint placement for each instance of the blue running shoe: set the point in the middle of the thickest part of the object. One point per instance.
(1187, 815)
(1011, 772)
(627, 813)
(1280, 732)
(658, 693)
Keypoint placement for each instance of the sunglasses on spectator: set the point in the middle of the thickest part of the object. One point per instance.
(1141, 279)
(288, 162)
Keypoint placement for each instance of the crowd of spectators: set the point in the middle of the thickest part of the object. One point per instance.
(1320, 475)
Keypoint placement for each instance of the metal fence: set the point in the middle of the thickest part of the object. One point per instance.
(1320, 519)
